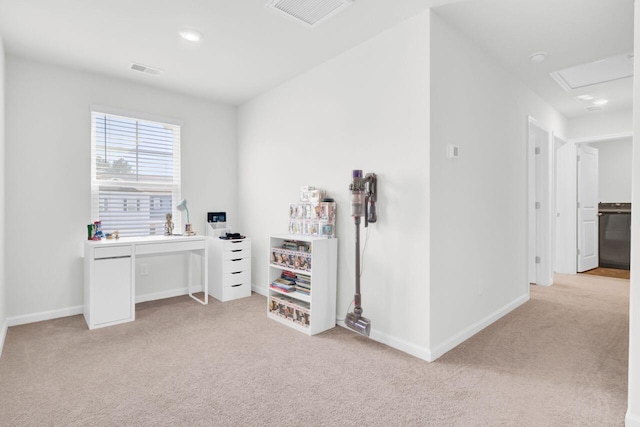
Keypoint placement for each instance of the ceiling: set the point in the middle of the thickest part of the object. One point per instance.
(572, 32)
(246, 50)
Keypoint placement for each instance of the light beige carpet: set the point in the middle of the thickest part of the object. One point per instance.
(559, 360)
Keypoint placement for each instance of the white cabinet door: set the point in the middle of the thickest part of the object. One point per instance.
(587, 208)
(111, 290)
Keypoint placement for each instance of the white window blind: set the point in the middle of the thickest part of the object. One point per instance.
(135, 174)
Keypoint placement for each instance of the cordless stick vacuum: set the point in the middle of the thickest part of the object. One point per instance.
(363, 199)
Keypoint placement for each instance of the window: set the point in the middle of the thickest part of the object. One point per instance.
(135, 174)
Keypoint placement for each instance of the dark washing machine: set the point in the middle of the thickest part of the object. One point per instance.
(615, 235)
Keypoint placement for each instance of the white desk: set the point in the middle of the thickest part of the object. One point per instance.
(110, 274)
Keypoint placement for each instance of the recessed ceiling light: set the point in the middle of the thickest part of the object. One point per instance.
(584, 97)
(600, 102)
(191, 35)
(537, 57)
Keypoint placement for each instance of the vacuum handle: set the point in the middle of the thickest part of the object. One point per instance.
(371, 195)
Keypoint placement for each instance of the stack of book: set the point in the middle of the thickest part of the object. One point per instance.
(294, 245)
(289, 275)
(283, 284)
(303, 284)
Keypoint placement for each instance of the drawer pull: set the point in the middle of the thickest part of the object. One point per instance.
(235, 286)
(236, 250)
(236, 272)
(237, 259)
(113, 257)
(239, 241)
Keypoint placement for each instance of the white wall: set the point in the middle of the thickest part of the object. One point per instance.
(600, 123)
(365, 109)
(478, 201)
(633, 413)
(614, 170)
(48, 178)
(3, 306)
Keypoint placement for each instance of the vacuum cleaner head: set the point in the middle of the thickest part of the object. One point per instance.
(360, 324)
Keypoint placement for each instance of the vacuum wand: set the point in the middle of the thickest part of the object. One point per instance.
(357, 297)
(363, 198)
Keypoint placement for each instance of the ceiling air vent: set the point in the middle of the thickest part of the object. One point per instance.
(593, 108)
(146, 69)
(309, 12)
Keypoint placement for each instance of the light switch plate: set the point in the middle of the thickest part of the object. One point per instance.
(453, 151)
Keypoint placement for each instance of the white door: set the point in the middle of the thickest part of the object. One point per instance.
(540, 253)
(566, 202)
(587, 208)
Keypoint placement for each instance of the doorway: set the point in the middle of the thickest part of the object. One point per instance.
(577, 229)
(540, 205)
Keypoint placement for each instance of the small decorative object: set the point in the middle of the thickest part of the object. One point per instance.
(89, 231)
(116, 234)
(189, 230)
(168, 226)
(97, 230)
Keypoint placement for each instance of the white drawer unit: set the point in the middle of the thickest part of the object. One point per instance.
(229, 268)
(108, 285)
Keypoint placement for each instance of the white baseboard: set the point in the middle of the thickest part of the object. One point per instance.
(167, 294)
(397, 343)
(260, 290)
(72, 311)
(467, 333)
(632, 420)
(3, 335)
(44, 315)
(394, 342)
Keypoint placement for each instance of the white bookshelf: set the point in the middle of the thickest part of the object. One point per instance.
(323, 272)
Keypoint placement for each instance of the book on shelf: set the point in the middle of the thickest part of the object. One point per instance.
(303, 291)
(283, 285)
(282, 288)
(303, 285)
(283, 281)
(293, 246)
(286, 274)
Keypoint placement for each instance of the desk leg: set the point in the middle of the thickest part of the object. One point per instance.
(205, 274)
(205, 286)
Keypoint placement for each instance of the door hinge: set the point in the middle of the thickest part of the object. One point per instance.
(537, 205)
(578, 251)
(537, 150)
(578, 204)
(537, 260)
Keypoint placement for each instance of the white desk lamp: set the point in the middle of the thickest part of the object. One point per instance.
(182, 206)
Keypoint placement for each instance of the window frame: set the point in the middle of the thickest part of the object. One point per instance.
(174, 187)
